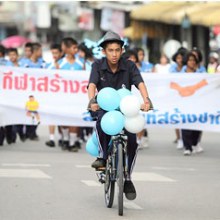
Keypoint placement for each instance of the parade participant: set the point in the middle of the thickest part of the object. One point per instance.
(8, 131)
(13, 57)
(191, 138)
(56, 54)
(11, 130)
(85, 55)
(70, 62)
(2, 55)
(213, 65)
(179, 61)
(116, 73)
(163, 66)
(143, 66)
(27, 53)
(35, 60)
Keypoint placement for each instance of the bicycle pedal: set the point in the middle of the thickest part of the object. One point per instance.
(101, 177)
(100, 169)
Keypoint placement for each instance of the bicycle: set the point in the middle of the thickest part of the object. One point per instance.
(116, 170)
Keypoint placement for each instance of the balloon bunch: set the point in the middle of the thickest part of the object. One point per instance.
(128, 117)
(122, 112)
(92, 145)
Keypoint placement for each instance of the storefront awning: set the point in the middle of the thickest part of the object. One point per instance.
(139, 28)
(154, 11)
(208, 15)
(199, 13)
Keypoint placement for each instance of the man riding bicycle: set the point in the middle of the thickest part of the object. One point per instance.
(116, 72)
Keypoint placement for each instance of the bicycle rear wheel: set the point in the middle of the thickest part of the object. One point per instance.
(109, 185)
(120, 172)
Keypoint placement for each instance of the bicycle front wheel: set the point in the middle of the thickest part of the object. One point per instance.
(120, 175)
(109, 185)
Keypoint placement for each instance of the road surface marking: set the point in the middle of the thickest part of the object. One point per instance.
(25, 165)
(83, 166)
(151, 177)
(91, 183)
(24, 173)
(132, 205)
(174, 168)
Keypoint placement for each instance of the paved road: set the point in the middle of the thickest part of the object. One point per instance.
(41, 183)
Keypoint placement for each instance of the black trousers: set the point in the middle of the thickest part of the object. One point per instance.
(31, 131)
(10, 133)
(104, 140)
(2, 135)
(190, 138)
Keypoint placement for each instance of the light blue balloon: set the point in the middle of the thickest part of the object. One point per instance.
(123, 92)
(112, 122)
(94, 139)
(92, 148)
(108, 99)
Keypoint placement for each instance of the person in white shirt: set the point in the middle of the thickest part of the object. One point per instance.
(164, 65)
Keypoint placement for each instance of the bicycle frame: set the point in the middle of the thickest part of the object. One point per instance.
(116, 140)
(116, 170)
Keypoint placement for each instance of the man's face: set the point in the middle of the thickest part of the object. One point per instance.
(163, 60)
(81, 54)
(191, 63)
(113, 52)
(212, 60)
(56, 54)
(179, 59)
(27, 52)
(132, 58)
(13, 57)
(38, 52)
(72, 50)
(140, 55)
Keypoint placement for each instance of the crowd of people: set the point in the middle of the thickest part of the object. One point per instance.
(68, 55)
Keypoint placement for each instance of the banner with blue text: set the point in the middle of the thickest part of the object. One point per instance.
(59, 97)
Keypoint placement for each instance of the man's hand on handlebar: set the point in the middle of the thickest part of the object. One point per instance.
(145, 107)
(94, 107)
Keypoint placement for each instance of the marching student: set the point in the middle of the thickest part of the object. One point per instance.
(57, 55)
(70, 62)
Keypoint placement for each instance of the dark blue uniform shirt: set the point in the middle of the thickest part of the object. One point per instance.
(126, 75)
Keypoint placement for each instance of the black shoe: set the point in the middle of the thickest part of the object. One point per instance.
(99, 163)
(77, 144)
(34, 138)
(9, 141)
(129, 190)
(22, 138)
(73, 148)
(13, 141)
(60, 143)
(50, 143)
(65, 145)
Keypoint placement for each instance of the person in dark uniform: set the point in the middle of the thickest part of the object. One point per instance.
(2, 63)
(116, 72)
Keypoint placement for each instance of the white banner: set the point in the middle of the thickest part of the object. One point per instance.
(180, 100)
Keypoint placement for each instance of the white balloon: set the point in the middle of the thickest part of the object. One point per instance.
(130, 105)
(134, 124)
(170, 47)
